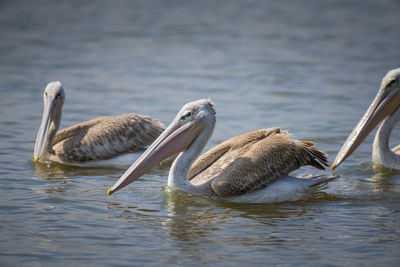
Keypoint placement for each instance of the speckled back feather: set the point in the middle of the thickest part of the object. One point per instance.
(105, 137)
(251, 161)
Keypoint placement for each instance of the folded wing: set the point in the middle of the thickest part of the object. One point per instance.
(252, 161)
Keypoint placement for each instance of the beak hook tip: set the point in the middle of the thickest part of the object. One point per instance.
(333, 167)
(109, 192)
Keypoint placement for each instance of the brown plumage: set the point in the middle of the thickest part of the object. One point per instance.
(252, 167)
(100, 138)
(105, 137)
(253, 160)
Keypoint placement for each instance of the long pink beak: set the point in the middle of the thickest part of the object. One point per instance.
(43, 132)
(173, 140)
(384, 104)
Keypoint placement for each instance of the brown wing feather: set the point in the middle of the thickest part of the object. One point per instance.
(203, 163)
(265, 161)
(74, 130)
(211, 163)
(106, 137)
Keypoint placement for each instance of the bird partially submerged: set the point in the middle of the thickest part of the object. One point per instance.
(100, 138)
(385, 107)
(252, 167)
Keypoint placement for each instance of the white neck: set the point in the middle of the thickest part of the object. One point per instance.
(381, 154)
(54, 126)
(180, 167)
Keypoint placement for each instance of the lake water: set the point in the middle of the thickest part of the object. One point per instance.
(311, 67)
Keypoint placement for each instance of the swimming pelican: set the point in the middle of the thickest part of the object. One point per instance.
(97, 139)
(252, 167)
(384, 107)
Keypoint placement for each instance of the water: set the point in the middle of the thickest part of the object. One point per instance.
(311, 67)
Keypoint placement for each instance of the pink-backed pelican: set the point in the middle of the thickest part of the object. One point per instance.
(252, 167)
(98, 139)
(384, 107)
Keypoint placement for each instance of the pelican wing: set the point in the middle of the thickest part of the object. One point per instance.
(106, 137)
(211, 163)
(262, 161)
(73, 130)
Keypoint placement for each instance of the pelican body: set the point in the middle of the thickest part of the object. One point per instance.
(100, 138)
(385, 107)
(252, 167)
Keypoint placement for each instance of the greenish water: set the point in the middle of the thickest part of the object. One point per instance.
(311, 67)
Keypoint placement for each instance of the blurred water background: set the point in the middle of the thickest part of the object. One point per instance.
(311, 67)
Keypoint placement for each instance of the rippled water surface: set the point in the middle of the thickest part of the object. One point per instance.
(311, 67)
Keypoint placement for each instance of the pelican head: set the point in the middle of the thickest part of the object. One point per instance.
(53, 99)
(190, 122)
(385, 103)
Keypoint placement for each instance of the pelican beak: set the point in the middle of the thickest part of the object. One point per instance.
(384, 104)
(41, 137)
(173, 140)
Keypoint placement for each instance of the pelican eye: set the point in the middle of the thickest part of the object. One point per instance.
(58, 95)
(391, 83)
(186, 115)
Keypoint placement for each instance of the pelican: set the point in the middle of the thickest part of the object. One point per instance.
(100, 138)
(384, 107)
(250, 168)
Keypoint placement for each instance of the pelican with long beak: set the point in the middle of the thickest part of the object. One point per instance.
(97, 139)
(251, 168)
(384, 107)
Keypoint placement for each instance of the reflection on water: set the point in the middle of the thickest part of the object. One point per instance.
(54, 170)
(384, 181)
(311, 68)
(189, 220)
